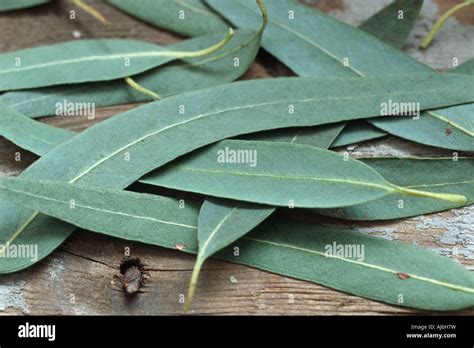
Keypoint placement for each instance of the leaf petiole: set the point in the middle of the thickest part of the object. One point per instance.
(135, 85)
(453, 198)
(92, 11)
(439, 24)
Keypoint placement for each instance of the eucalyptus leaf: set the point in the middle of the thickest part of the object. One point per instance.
(394, 23)
(321, 136)
(172, 78)
(222, 222)
(377, 25)
(86, 61)
(9, 5)
(440, 175)
(337, 49)
(47, 138)
(278, 174)
(187, 17)
(376, 269)
(31, 135)
(429, 131)
(120, 150)
(356, 132)
(319, 52)
(465, 68)
(217, 218)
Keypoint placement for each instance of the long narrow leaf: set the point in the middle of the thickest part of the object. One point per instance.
(187, 17)
(86, 61)
(221, 67)
(279, 174)
(374, 268)
(119, 151)
(337, 49)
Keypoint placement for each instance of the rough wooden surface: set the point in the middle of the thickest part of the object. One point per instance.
(81, 277)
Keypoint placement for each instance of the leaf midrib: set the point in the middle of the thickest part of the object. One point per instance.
(106, 211)
(368, 265)
(55, 63)
(202, 251)
(448, 121)
(356, 71)
(224, 54)
(307, 39)
(290, 177)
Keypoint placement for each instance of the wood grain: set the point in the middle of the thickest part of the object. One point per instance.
(82, 276)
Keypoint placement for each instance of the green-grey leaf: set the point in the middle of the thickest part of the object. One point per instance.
(309, 136)
(377, 269)
(387, 24)
(120, 150)
(173, 78)
(465, 68)
(187, 17)
(31, 135)
(337, 49)
(429, 130)
(275, 173)
(443, 129)
(440, 175)
(9, 5)
(85, 61)
(317, 52)
(322, 136)
(376, 25)
(388, 27)
(221, 222)
(356, 132)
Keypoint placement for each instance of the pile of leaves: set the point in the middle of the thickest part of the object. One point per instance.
(248, 148)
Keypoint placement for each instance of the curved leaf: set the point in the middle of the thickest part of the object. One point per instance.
(187, 17)
(86, 61)
(31, 135)
(116, 152)
(337, 49)
(172, 78)
(276, 174)
(370, 267)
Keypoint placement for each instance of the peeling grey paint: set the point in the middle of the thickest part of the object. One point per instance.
(385, 232)
(459, 231)
(11, 296)
(55, 269)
